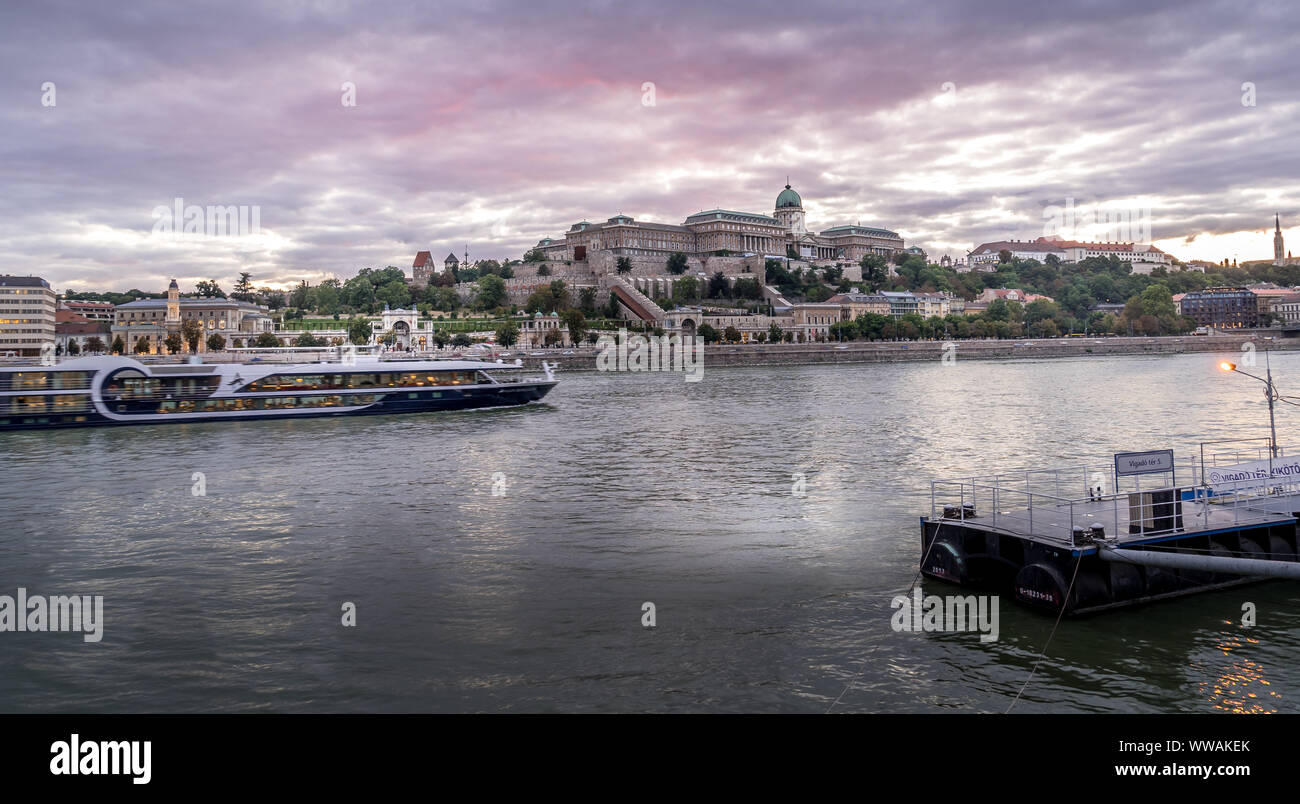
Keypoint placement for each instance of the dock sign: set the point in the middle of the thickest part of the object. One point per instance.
(1144, 463)
(1252, 475)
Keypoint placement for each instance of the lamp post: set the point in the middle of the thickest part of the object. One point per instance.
(1271, 391)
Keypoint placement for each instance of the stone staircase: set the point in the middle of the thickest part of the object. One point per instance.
(640, 304)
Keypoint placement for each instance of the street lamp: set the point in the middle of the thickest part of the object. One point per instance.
(1271, 392)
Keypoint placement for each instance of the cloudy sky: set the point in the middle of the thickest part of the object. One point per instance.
(493, 124)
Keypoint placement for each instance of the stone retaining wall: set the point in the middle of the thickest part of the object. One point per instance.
(882, 352)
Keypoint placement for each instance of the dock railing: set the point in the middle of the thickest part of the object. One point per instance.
(1053, 502)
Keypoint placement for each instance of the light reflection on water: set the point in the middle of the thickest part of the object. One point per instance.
(620, 490)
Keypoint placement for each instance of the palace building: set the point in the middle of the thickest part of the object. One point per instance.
(155, 319)
(712, 231)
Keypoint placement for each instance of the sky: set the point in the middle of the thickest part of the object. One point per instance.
(364, 132)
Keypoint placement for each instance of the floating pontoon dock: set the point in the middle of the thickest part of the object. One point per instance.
(1111, 537)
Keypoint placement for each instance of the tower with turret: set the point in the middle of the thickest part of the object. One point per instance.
(173, 303)
(1279, 253)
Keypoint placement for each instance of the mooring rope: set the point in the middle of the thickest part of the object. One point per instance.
(910, 586)
(1065, 602)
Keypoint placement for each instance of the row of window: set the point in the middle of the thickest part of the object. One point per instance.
(44, 380)
(52, 403)
(149, 387)
(325, 382)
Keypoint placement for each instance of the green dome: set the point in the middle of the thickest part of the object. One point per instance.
(788, 198)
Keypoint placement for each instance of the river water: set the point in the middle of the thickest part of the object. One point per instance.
(499, 560)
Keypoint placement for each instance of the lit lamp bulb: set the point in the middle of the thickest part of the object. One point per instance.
(1228, 366)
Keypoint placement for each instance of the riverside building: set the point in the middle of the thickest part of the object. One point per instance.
(148, 322)
(1222, 308)
(27, 305)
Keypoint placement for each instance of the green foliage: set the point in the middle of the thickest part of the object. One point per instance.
(371, 288)
(325, 297)
(686, 289)
(359, 331)
(746, 288)
(244, 288)
(677, 263)
(208, 289)
(576, 323)
(491, 292)
(395, 294)
(1152, 312)
(507, 334)
(443, 298)
(549, 298)
(111, 297)
(191, 331)
(719, 287)
(818, 293)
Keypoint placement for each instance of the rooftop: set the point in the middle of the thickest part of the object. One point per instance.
(23, 282)
(719, 213)
(149, 304)
(851, 229)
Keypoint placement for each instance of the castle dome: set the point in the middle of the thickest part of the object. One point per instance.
(788, 198)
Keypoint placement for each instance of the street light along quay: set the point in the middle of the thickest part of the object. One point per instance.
(1271, 392)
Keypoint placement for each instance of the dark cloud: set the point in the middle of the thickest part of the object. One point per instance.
(495, 124)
